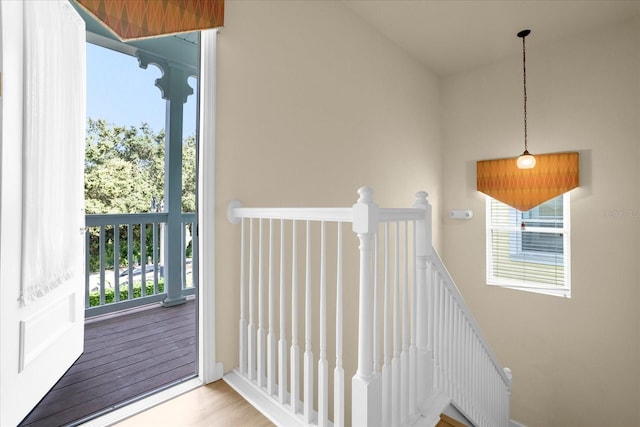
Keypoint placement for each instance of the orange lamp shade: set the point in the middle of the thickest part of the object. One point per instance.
(554, 174)
(136, 19)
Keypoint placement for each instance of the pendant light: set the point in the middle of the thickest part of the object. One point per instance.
(526, 160)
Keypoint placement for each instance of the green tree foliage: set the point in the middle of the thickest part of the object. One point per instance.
(109, 294)
(189, 174)
(123, 168)
(124, 171)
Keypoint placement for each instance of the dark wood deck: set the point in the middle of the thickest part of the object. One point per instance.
(126, 356)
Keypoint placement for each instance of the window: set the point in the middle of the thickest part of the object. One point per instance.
(530, 250)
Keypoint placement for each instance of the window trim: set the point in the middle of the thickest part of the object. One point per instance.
(516, 252)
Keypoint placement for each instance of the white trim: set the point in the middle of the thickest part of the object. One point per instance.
(208, 369)
(127, 411)
(560, 292)
(267, 405)
(437, 404)
(108, 43)
(515, 283)
(515, 424)
(453, 412)
(235, 212)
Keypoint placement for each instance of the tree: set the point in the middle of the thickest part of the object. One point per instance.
(189, 174)
(124, 171)
(124, 168)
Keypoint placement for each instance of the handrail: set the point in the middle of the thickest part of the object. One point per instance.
(400, 214)
(409, 309)
(449, 282)
(236, 212)
(458, 345)
(94, 220)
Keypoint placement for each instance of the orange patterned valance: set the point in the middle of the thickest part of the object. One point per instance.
(136, 19)
(523, 189)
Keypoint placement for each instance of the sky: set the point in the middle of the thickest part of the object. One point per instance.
(122, 93)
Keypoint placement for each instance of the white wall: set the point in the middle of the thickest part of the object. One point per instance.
(575, 361)
(312, 105)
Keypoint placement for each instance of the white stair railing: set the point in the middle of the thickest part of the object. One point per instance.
(419, 348)
(285, 373)
(464, 367)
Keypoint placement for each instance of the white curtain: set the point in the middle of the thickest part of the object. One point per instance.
(53, 156)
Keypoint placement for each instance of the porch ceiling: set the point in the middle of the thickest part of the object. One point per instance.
(180, 48)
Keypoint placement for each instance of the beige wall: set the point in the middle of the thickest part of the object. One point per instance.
(313, 104)
(575, 362)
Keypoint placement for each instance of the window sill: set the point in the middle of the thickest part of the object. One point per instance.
(561, 292)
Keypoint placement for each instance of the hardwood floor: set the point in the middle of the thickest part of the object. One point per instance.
(447, 421)
(136, 353)
(213, 405)
(125, 356)
(216, 405)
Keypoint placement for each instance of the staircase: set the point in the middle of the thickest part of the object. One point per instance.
(307, 295)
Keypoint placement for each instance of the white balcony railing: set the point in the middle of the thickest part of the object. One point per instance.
(124, 260)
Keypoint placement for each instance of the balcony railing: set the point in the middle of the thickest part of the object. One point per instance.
(124, 261)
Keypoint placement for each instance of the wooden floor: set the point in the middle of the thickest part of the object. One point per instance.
(125, 356)
(216, 405)
(213, 405)
(447, 421)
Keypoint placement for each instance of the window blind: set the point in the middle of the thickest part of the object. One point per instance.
(529, 249)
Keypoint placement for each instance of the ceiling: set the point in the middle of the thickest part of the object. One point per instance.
(450, 36)
(179, 48)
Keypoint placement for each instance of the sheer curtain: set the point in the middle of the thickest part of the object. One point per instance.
(53, 156)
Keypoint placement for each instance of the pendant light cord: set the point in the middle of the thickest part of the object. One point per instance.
(524, 81)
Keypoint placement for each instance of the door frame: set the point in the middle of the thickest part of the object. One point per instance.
(209, 369)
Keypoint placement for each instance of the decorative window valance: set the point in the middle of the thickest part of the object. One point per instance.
(524, 189)
(136, 19)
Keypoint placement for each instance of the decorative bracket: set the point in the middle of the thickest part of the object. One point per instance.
(173, 84)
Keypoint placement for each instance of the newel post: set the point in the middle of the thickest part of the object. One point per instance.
(424, 247)
(366, 385)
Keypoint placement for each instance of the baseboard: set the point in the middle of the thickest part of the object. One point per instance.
(515, 424)
(452, 412)
(268, 406)
(432, 409)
